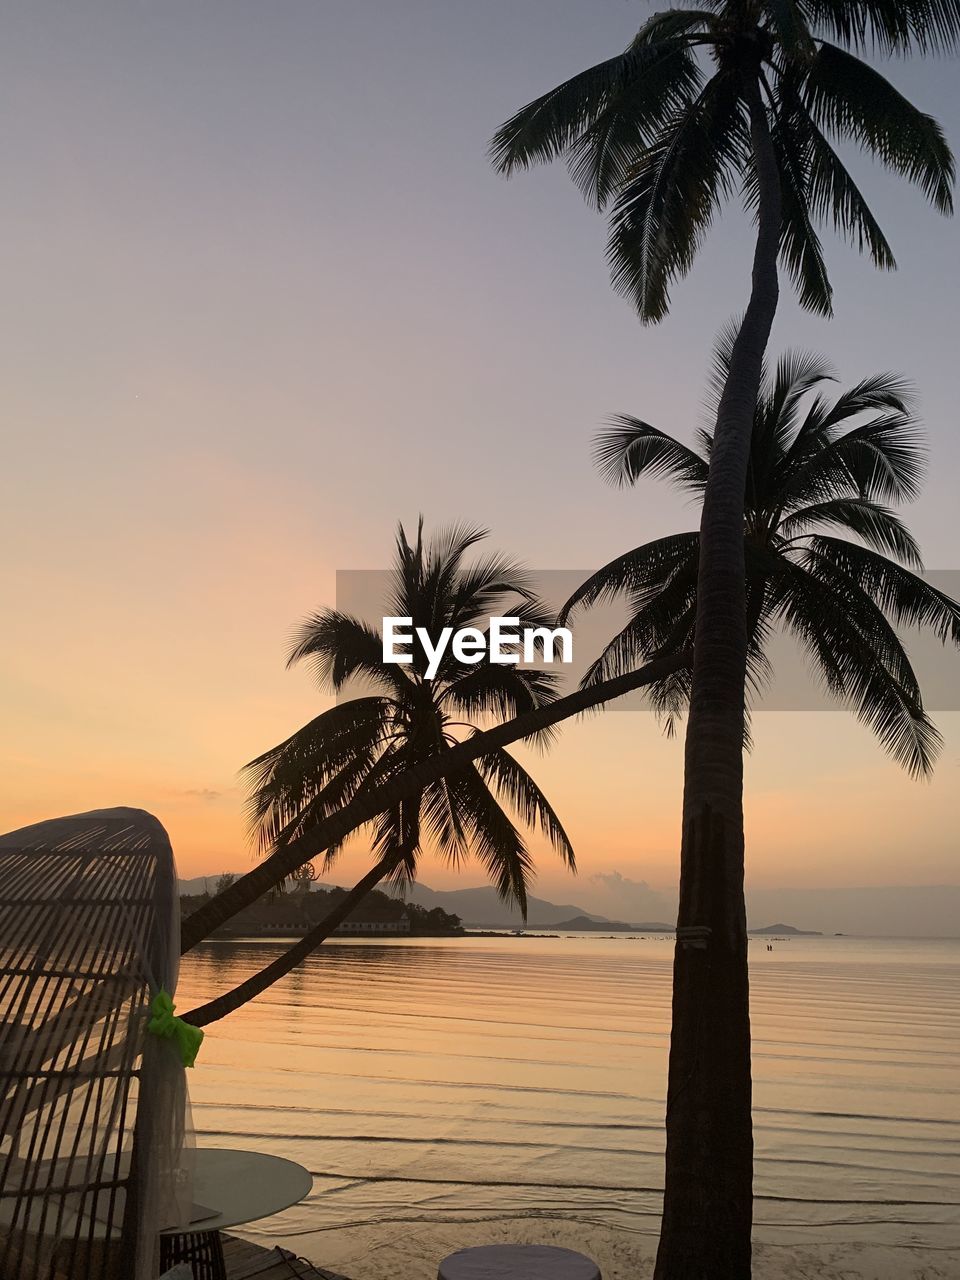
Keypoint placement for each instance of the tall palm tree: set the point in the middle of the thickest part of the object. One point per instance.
(827, 559)
(361, 745)
(732, 94)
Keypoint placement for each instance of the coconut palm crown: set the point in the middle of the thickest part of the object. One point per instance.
(826, 556)
(363, 742)
(661, 133)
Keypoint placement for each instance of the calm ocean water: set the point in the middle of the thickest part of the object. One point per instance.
(450, 1092)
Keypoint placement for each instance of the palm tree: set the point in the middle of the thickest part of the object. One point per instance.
(702, 102)
(330, 832)
(359, 746)
(826, 558)
(819, 467)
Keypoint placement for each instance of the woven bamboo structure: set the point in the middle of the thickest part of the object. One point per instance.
(91, 1106)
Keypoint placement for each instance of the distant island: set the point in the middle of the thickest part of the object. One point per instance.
(428, 911)
(789, 930)
(299, 910)
(584, 924)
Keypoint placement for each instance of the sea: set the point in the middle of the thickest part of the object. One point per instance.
(446, 1092)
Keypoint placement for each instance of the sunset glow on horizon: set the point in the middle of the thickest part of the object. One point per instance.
(260, 308)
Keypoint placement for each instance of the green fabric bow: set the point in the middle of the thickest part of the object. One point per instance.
(186, 1037)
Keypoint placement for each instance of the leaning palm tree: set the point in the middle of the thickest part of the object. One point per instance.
(402, 719)
(331, 831)
(703, 102)
(827, 558)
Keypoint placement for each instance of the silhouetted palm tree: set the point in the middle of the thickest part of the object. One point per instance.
(705, 101)
(819, 465)
(329, 832)
(705, 98)
(362, 744)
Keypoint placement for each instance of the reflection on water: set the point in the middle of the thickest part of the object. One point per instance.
(450, 1092)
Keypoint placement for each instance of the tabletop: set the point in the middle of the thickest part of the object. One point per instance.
(232, 1187)
(518, 1262)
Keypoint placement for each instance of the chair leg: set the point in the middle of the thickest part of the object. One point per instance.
(201, 1250)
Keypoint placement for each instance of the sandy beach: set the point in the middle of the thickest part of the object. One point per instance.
(414, 1253)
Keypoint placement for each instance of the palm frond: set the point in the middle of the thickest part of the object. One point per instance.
(486, 588)
(601, 116)
(797, 373)
(628, 448)
(494, 839)
(443, 821)
(644, 569)
(341, 647)
(879, 391)
(675, 189)
(601, 158)
(718, 374)
(516, 786)
(834, 197)
(862, 662)
(882, 460)
(504, 692)
(855, 101)
(889, 26)
(904, 596)
(397, 836)
(316, 769)
(878, 527)
(788, 21)
(668, 24)
(800, 247)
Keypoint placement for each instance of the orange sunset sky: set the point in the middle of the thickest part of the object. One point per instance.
(257, 309)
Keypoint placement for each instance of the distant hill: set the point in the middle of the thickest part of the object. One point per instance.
(788, 929)
(202, 884)
(295, 913)
(583, 924)
(481, 908)
(892, 911)
(207, 884)
(906, 911)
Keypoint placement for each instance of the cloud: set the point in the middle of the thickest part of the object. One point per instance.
(615, 881)
(207, 794)
(620, 898)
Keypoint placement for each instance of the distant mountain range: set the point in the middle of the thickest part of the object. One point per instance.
(481, 908)
(582, 924)
(908, 911)
(202, 884)
(788, 929)
(478, 908)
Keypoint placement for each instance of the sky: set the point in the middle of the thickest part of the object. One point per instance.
(264, 297)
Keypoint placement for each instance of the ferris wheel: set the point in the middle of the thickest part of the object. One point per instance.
(303, 877)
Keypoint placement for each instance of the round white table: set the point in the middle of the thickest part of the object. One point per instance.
(229, 1188)
(232, 1187)
(518, 1262)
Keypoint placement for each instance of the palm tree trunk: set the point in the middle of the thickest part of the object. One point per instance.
(708, 1190)
(218, 1008)
(364, 808)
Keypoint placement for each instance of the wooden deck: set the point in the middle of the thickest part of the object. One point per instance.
(246, 1261)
